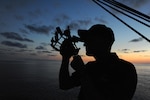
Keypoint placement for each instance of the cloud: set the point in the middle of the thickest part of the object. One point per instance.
(40, 48)
(53, 50)
(74, 24)
(134, 3)
(24, 50)
(138, 51)
(46, 52)
(23, 31)
(39, 29)
(131, 51)
(45, 44)
(79, 23)
(62, 18)
(84, 22)
(51, 55)
(136, 40)
(100, 20)
(14, 44)
(125, 50)
(15, 36)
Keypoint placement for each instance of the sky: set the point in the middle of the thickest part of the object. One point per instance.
(27, 26)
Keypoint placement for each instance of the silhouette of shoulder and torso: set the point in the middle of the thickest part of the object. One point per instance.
(106, 78)
(111, 79)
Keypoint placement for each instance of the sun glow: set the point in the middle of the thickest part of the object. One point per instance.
(135, 58)
(132, 57)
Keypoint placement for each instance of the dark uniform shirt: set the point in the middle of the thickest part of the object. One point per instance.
(110, 79)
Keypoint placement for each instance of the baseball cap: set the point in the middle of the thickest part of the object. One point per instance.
(97, 31)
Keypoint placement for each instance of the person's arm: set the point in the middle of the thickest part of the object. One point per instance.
(64, 76)
(65, 80)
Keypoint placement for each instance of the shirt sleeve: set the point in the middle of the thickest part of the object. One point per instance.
(76, 78)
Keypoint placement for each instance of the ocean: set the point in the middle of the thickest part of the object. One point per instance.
(38, 80)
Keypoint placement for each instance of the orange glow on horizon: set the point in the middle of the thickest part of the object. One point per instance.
(135, 58)
(132, 57)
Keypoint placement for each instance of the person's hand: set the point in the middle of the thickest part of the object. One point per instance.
(77, 63)
(67, 49)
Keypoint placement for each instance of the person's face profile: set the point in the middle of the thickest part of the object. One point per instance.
(95, 46)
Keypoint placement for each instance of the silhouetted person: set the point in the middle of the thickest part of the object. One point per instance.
(106, 78)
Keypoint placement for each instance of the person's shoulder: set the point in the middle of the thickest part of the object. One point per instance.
(126, 65)
(121, 61)
(124, 62)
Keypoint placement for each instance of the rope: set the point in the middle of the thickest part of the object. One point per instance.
(96, 1)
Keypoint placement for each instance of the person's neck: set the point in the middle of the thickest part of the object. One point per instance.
(102, 57)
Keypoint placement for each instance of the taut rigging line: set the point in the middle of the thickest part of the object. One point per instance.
(127, 9)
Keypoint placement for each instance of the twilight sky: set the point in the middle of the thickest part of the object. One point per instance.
(26, 27)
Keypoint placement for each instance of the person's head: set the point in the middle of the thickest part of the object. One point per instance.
(98, 39)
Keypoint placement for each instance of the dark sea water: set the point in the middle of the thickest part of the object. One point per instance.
(38, 80)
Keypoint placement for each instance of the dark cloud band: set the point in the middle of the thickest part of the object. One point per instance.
(39, 29)
(136, 40)
(15, 36)
(14, 44)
